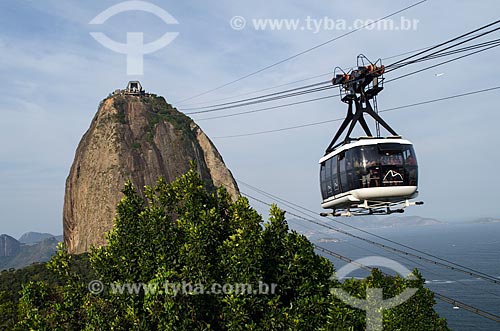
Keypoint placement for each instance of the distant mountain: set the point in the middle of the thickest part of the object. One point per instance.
(485, 220)
(365, 222)
(9, 246)
(31, 238)
(329, 240)
(31, 248)
(393, 221)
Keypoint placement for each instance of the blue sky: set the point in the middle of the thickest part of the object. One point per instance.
(54, 75)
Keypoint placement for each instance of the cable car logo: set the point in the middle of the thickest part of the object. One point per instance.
(134, 48)
(393, 177)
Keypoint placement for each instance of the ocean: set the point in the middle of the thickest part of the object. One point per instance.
(474, 245)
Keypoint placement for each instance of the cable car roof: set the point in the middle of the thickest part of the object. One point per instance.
(363, 141)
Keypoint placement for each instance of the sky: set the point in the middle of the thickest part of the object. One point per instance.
(55, 73)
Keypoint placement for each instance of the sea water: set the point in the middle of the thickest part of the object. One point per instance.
(474, 245)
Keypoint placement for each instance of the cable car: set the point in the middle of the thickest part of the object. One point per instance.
(368, 174)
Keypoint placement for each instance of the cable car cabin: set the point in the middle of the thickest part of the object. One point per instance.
(369, 172)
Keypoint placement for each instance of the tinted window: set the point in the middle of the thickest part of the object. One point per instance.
(322, 180)
(335, 177)
(398, 165)
(371, 160)
(388, 147)
(328, 178)
(371, 155)
(369, 166)
(411, 167)
(354, 165)
(343, 172)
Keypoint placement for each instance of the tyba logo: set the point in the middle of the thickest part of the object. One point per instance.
(374, 304)
(134, 48)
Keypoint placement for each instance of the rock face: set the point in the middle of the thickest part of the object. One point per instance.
(136, 137)
(8, 246)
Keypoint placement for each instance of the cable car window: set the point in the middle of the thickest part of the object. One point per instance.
(409, 156)
(354, 164)
(371, 156)
(390, 147)
(343, 173)
(335, 177)
(391, 158)
(392, 169)
(322, 180)
(328, 178)
(411, 166)
(371, 162)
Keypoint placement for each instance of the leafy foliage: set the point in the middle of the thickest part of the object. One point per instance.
(181, 234)
(12, 282)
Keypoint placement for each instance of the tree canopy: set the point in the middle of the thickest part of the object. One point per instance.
(181, 258)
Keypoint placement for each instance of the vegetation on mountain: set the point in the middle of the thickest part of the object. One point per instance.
(137, 138)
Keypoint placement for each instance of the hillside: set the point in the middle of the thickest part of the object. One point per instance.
(138, 137)
(32, 247)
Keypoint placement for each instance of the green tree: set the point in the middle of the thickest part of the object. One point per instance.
(183, 236)
(8, 310)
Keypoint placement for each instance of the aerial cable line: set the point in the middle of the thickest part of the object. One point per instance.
(302, 52)
(467, 307)
(418, 265)
(444, 298)
(497, 43)
(456, 51)
(436, 54)
(450, 266)
(295, 206)
(403, 63)
(349, 243)
(448, 41)
(296, 81)
(262, 96)
(269, 108)
(259, 90)
(393, 66)
(384, 246)
(459, 50)
(297, 91)
(422, 51)
(274, 98)
(442, 63)
(341, 119)
(493, 44)
(289, 83)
